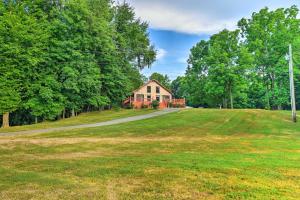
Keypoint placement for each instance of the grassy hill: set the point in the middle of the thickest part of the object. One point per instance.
(192, 154)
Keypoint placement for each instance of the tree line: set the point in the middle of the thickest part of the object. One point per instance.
(62, 57)
(247, 67)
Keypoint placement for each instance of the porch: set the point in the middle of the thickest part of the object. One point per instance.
(139, 103)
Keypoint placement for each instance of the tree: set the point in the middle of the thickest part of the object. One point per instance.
(59, 58)
(225, 74)
(215, 75)
(20, 51)
(267, 35)
(245, 68)
(9, 101)
(176, 87)
(195, 80)
(163, 79)
(133, 40)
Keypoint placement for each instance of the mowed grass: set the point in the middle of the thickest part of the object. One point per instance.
(191, 154)
(83, 118)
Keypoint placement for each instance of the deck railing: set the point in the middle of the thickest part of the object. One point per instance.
(139, 103)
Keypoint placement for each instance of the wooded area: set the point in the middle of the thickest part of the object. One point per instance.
(61, 57)
(247, 67)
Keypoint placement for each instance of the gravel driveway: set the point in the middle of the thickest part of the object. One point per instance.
(107, 123)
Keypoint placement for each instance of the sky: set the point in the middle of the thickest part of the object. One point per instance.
(177, 25)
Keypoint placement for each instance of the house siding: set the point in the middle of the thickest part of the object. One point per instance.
(153, 94)
(139, 97)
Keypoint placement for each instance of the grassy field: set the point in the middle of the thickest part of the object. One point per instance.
(191, 154)
(84, 118)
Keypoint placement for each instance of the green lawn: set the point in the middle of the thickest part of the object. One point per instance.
(84, 118)
(192, 154)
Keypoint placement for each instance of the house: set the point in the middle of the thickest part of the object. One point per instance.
(153, 90)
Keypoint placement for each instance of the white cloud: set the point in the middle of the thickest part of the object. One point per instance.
(200, 16)
(161, 53)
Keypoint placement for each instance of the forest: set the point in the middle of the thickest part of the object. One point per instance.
(247, 67)
(59, 58)
(62, 57)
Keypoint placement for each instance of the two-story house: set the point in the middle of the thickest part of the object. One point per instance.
(151, 91)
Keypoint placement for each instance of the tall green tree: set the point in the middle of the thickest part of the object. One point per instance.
(63, 57)
(246, 70)
(195, 80)
(21, 51)
(267, 35)
(163, 79)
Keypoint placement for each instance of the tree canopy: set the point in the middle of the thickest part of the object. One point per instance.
(162, 79)
(58, 58)
(247, 67)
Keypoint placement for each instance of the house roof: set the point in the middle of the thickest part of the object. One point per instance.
(153, 80)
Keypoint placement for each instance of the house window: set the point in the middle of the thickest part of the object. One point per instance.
(158, 98)
(148, 89)
(140, 97)
(157, 90)
(166, 98)
(149, 98)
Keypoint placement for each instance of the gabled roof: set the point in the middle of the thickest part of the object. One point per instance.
(153, 80)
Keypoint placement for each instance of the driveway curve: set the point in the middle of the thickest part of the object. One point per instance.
(107, 123)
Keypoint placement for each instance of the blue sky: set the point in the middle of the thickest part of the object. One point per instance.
(172, 51)
(177, 25)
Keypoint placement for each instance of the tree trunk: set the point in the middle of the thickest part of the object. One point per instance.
(36, 119)
(73, 113)
(225, 103)
(64, 113)
(268, 99)
(231, 98)
(5, 121)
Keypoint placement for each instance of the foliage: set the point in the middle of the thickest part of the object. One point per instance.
(58, 58)
(176, 87)
(155, 104)
(162, 79)
(245, 68)
(144, 106)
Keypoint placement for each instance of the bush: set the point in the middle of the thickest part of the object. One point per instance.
(155, 104)
(170, 105)
(115, 107)
(144, 106)
(129, 106)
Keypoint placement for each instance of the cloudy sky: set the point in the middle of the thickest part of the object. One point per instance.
(176, 25)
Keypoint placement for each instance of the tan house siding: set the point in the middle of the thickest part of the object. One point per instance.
(141, 97)
(163, 93)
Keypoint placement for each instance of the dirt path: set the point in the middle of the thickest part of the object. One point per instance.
(107, 123)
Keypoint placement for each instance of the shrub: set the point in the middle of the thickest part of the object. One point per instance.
(144, 106)
(155, 104)
(170, 105)
(129, 106)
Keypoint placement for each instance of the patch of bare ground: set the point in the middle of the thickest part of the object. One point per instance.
(113, 140)
(292, 173)
(182, 187)
(73, 155)
(34, 191)
(125, 188)
(111, 191)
